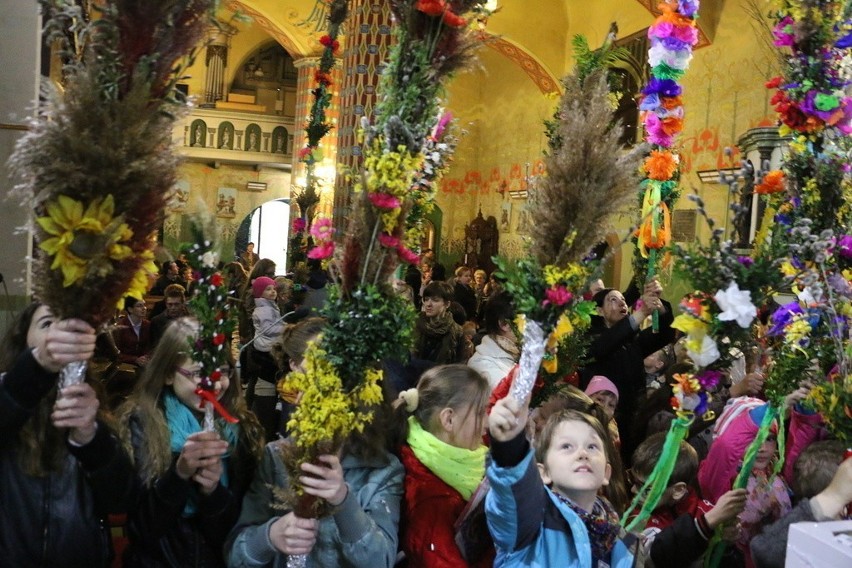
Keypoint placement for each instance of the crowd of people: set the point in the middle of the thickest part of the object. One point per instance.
(452, 471)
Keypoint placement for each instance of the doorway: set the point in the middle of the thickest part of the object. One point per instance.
(268, 227)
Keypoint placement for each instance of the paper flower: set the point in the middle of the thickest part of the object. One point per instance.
(321, 252)
(557, 295)
(384, 200)
(80, 237)
(781, 317)
(707, 352)
(661, 166)
(844, 246)
(388, 241)
(736, 305)
(407, 255)
(299, 225)
(773, 182)
(322, 230)
(209, 259)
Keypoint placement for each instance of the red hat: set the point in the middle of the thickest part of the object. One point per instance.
(260, 284)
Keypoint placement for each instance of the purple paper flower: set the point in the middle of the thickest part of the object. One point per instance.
(844, 246)
(746, 261)
(782, 317)
(708, 378)
(660, 30)
(687, 7)
(662, 87)
(671, 43)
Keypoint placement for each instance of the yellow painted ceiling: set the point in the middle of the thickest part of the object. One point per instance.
(540, 29)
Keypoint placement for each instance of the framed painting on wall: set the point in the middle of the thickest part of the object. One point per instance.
(226, 202)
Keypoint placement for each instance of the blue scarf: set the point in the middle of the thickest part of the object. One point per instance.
(183, 423)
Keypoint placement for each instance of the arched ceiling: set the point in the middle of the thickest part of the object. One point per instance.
(537, 39)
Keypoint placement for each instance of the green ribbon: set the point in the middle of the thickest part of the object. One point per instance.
(649, 495)
(717, 546)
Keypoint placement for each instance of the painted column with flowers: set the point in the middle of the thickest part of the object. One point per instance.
(672, 37)
(97, 164)
(317, 126)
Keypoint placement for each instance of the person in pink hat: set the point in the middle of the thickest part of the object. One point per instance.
(268, 327)
(605, 393)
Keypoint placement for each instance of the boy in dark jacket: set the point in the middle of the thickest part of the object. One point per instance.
(679, 529)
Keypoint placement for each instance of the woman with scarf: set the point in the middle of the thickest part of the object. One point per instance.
(444, 463)
(191, 482)
(437, 337)
(498, 351)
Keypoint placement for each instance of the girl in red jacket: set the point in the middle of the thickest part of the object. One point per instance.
(444, 463)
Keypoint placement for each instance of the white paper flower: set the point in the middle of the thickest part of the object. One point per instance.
(209, 259)
(709, 352)
(736, 305)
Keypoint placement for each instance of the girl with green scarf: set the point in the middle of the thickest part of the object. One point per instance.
(444, 459)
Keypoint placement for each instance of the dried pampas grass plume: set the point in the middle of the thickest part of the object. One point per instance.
(590, 176)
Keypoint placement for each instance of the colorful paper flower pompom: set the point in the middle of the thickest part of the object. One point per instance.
(661, 166)
(408, 256)
(328, 42)
(322, 229)
(322, 252)
(844, 246)
(388, 241)
(384, 200)
(773, 182)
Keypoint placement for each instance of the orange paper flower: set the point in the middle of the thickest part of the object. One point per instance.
(773, 182)
(661, 166)
(669, 103)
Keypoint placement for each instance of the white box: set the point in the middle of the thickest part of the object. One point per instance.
(820, 545)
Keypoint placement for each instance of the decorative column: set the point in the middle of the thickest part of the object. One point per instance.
(219, 39)
(305, 83)
(367, 43)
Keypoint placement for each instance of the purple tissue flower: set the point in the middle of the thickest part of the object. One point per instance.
(687, 7)
(662, 87)
(708, 378)
(746, 261)
(844, 246)
(782, 317)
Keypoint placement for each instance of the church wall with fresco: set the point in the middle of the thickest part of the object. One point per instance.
(724, 96)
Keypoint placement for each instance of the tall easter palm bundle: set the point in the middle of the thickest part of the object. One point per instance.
(590, 178)
(367, 321)
(97, 163)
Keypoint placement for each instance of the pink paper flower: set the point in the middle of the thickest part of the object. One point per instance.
(408, 256)
(384, 200)
(299, 225)
(322, 230)
(558, 296)
(388, 240)
(323, 251)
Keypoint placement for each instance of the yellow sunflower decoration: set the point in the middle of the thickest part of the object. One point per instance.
(84, 238)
